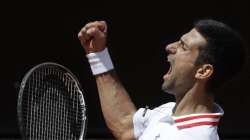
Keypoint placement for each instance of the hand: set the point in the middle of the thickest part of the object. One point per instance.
(93, 36)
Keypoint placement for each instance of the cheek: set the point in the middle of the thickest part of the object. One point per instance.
(185, 68)
(186, 60)
(186, 71)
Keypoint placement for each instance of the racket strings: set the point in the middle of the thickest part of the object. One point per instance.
(53, 110)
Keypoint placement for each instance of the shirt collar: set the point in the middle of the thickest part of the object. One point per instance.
(199, 119)
(192, 120)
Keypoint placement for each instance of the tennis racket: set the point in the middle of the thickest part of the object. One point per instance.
(51, 105)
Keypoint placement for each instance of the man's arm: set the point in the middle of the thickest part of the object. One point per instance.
(116, 104)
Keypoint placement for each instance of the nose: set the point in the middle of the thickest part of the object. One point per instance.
(171, 48)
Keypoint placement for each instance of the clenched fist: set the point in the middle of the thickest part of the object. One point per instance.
(93, 36)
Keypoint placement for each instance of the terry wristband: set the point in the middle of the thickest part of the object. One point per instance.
(100, 62)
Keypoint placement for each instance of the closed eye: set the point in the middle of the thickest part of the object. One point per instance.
(183, 46)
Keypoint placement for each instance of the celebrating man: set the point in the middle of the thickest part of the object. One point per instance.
(201, 61)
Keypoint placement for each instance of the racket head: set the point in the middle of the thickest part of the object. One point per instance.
(45, 93)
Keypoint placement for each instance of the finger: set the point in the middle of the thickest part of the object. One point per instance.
(83, 36)
(82, 40)
(104, 26)
(99, 24)
(95, 33)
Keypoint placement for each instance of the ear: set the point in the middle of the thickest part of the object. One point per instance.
(204, 72)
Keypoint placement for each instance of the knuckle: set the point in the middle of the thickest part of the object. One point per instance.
(103, 22)
(93, 29)
(83, 29)
(79, 35)
(87, 25)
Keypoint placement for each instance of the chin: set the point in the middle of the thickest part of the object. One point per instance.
(169, 92)
(166, 89)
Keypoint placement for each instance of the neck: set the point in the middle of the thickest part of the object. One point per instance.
(196, 100)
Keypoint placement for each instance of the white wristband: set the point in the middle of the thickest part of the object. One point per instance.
(100, 62)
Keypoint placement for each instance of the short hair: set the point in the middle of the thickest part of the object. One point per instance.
(224, 50)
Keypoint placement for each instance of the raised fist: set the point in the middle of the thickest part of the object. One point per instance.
(93, 36)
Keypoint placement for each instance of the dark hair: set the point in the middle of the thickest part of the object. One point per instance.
(225, 50)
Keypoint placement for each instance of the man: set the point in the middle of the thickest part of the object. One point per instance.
(201, 61)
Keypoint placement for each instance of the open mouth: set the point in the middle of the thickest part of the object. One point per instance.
(169, 71)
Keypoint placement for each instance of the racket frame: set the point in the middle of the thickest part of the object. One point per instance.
(22, 87)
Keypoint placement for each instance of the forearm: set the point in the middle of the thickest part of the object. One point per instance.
(116, 104)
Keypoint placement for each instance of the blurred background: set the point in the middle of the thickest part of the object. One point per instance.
(35, 32)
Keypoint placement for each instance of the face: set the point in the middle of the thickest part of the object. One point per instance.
(182, 57)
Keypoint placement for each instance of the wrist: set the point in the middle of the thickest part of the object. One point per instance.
(100, 62)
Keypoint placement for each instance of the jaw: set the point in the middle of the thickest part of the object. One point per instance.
(168, 84)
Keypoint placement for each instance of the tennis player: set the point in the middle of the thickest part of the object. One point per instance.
(201, 61)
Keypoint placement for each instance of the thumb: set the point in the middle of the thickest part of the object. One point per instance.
(95, 33)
